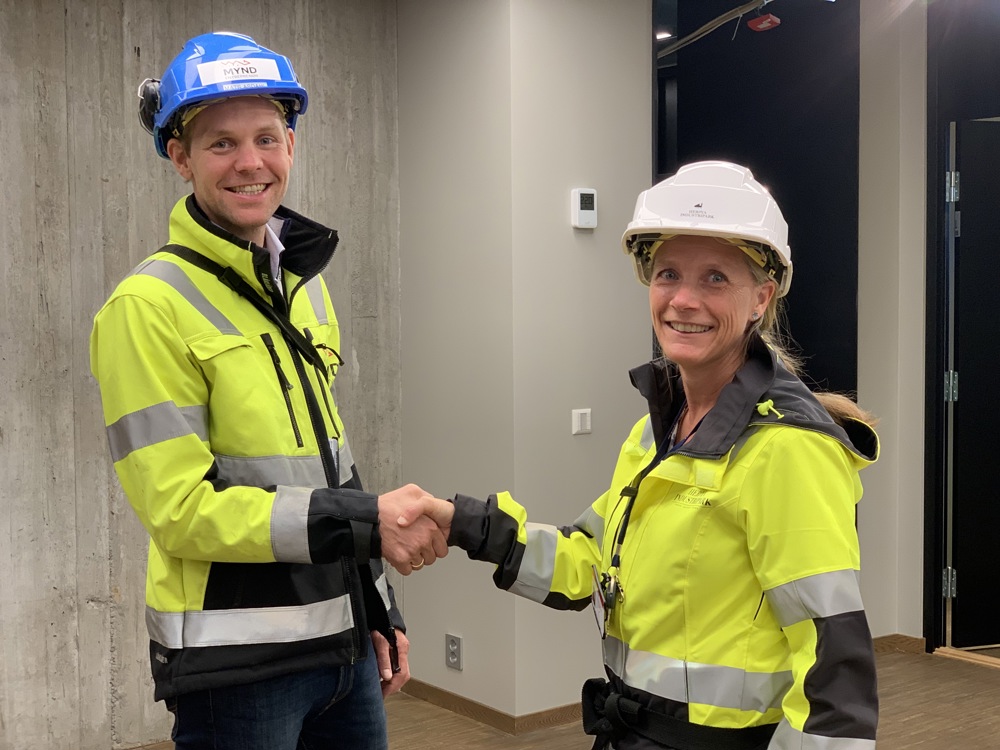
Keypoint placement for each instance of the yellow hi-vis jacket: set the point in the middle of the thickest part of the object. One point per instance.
(739, 567)
(264, 558)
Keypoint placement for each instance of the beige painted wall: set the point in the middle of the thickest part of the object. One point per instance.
(512, 318)
(891, 307)
(456, 308)
(84, 199)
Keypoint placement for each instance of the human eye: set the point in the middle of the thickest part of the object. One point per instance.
(270, 139)
(717, 277)
(666, 274)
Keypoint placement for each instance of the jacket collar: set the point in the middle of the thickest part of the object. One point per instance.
(744, 402)
(309, 246)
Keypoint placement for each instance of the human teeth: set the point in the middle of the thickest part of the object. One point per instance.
(249, 189)
(689, 328)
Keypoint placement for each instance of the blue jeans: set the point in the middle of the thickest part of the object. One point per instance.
(330, 708)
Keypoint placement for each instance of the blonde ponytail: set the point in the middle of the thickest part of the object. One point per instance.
(771, 328)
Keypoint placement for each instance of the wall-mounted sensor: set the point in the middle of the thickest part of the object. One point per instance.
(584, 208)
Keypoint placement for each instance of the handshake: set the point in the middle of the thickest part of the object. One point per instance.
(414, 527)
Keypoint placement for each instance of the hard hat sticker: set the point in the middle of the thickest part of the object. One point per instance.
(250, 68)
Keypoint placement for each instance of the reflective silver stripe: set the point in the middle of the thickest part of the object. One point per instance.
(290, 524)
(690, 682)
(346, 463)
(591, 523)
(786, 737)
(735, 688)
(647, 439)
(383, 589)
(269, 471)
(155, 424)
(241, 627)
(314, 290)
(821, 595)
(175, 277)
(534, 577)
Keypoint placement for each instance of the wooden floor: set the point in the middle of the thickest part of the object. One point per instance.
(927, 703)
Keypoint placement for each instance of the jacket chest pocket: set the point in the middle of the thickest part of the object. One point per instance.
(249, 392)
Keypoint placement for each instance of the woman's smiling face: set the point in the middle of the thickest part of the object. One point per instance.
(702, 296)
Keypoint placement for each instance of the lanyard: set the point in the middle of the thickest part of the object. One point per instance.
(610, 582)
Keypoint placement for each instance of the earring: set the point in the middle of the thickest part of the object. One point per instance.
(754, 315)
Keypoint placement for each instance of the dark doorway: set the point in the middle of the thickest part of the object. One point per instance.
(973, 402)
(963, 94)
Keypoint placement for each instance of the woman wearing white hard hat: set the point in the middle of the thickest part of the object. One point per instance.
(723, 560)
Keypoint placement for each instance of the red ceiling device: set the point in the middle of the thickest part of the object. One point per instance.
(764, 22)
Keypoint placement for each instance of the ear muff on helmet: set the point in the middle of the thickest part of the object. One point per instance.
(149, 103)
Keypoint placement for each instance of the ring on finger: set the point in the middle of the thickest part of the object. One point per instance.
(419, 566)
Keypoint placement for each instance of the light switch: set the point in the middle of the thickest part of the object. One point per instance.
(581, 421)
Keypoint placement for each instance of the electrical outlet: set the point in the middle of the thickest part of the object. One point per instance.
(453, 651)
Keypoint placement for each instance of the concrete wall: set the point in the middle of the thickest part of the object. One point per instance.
(891, 358)
(84, 199)
(510, 317)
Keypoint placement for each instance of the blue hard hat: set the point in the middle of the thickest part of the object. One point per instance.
(217, 66)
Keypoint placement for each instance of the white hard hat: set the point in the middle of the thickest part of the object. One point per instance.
(711, 199)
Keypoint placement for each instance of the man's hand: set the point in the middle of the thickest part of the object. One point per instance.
(391, 683)
(421, 542)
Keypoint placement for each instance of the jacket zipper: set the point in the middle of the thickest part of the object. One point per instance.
(348, 567)
(325, 380)
(332, 479)
(286, 386)
(317, 421)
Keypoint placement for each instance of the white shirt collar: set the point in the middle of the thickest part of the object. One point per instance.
(273, 246)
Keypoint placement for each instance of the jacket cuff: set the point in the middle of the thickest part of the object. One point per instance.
(342, 523)
(469, 525)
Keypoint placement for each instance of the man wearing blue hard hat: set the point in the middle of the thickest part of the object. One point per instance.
(271, 624)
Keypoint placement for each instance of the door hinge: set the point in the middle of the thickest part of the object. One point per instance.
(951, 187)
(951, 386)
(949, 583)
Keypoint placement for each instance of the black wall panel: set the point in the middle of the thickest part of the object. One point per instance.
(784, 102)
(964, 38)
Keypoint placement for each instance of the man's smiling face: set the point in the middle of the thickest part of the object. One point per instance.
(238, 161)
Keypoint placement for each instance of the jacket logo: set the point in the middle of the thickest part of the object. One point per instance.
(695, 497)
(698, 205)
